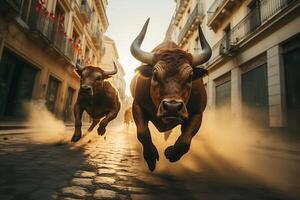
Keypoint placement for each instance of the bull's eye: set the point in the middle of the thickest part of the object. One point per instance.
(155, 76)
(98, 78)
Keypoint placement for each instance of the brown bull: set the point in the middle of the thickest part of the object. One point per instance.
(128, 117)
(97, 97)
(168, 91)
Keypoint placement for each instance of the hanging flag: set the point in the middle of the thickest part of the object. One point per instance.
(61, 25)
(52, 17)
(38, 7)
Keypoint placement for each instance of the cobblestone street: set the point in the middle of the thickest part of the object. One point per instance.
(109, 167)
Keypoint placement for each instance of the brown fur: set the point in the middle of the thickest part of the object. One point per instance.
(173, 66)
(104, 102)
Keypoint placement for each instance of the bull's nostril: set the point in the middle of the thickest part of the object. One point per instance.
(179, 106)
(165, 105)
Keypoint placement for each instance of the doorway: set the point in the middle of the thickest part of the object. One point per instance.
(52, 93)
(255, 96)
(291, 60)
(68, 105)
(17, 78)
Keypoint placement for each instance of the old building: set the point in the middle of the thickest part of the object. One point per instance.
(254, 69)
(111, 55)
(40, 41)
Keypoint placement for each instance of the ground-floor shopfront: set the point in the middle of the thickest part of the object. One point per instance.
(29, 73)
(259, 87)
(291, 69)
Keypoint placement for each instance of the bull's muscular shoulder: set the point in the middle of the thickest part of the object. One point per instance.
(109, 89)
(141, 90)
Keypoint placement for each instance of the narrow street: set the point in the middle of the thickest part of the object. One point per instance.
(111, 167)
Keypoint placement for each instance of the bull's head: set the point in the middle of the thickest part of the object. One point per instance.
(172, 72)
(92, 77)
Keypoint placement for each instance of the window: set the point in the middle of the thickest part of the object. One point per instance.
(52, 93)
(227, 33)
(255, 18)
(87, 56)
(25, 9)
(68, 105)
(17, 80)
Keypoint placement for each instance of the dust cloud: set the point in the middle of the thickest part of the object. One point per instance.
(46, 127)
(234, 151)
(225, 149)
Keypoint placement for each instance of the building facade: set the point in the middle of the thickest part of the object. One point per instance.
(111, 55)
(254, 69)
(40, 41)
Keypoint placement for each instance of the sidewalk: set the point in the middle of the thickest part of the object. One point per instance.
(8, 128)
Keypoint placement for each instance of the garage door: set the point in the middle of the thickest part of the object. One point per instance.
(255, 96)
(291, 60)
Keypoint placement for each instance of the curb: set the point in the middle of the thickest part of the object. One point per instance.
(16, 130)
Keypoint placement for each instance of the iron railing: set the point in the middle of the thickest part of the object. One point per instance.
(70, 53)
(249, 24)
(51, 31)
(96, 35)
(193, 16)
(40, 23)
(86, 10)
(213, 9)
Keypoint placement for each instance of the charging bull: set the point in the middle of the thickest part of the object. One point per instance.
(97, 97)
(168, 91)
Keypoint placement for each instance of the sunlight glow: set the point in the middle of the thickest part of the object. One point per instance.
(125, 25)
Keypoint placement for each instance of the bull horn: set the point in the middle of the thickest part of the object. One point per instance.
(114, 71)
(78, 65)
(136, 50)
(205, 55)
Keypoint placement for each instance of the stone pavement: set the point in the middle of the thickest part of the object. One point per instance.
(106, 168)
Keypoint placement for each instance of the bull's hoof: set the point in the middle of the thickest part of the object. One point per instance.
(101, 131)
(151, 156)
(172, 155)
(75, 138)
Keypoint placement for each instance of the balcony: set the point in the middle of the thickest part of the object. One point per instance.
(190, 25)
(218, 10)
(84, 11)
(97, 37)
(250, 25)
(42, 27)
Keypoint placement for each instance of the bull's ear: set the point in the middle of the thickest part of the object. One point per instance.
(145, 70)
(199, 73)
